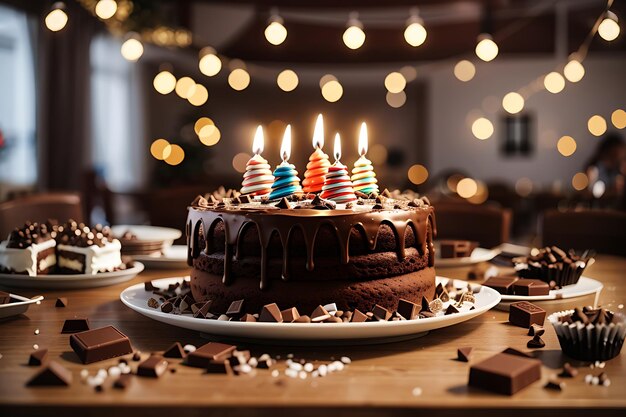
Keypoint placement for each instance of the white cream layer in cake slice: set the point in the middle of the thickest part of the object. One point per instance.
(91, 259)
(27, 259)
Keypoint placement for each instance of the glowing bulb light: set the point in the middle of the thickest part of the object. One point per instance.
(574, 71)
(354, 37)
(486, 48)
(239, 79)
(597, 125)
(106, 9)
(415, 32)
(132, 49)
(164, 82)
(554, 82)
(200, 95)
(513, 102)
(482, 128)
(287, 80)
(185, 87)
(332, 91)
(275, 32)
(609, 28)
(395, 82)
(57, 18)
(209, 64)
(464, 70)
(566, 146)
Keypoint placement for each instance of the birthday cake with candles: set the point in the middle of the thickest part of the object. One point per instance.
(279, 243)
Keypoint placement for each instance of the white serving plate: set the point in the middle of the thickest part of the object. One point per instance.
(584, 286)
(174, 257)
(136, 297)
(19, 307)
(76, 281)
(478, 255)
(149, 233)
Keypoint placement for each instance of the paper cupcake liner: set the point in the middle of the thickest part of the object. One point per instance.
(563, 275)
(593, 342)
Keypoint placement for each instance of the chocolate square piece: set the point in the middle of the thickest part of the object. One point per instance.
(358, 317)
(219, 367)
(303, 319)
(212, 351)
(54, 374)
(235, 309)
(463, 354)
(504, 285)
(271, 313)
(381, 313)
(37, 357)
(530, 287)
(75, 325)
(523, 314)
(504, 373)
(408, 310)
(319, 315)
(175, 351)
(248, 317)
(153, 367)
(290, 315)
(61, 302)
(100, 344)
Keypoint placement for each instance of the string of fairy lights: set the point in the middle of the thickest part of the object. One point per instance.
(211, 63)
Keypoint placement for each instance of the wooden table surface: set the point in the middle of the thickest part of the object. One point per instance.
(380, 381)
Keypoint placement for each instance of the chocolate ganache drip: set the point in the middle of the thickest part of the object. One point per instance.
(269, 220)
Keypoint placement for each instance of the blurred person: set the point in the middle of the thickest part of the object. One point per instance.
(607, 166)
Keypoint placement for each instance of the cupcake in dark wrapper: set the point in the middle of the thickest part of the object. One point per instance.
(553, 266)
(589, 334)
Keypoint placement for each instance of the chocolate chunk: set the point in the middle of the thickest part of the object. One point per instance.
(425, 305)
(290, 315)
(212, 351)
(523, 314)
(451, 310)
(504, 373)
(568, 371)
(442, 293)
(174, 351)
(248, 317)
(148, 286)
(358, 317)
(61, 302)
(463, 354)
(235, 309)
(408, 309)
(153, 303)
(37, 357)
(511, 351)
(283, 204)
(536, 343)
(100, 344)
(333, 319)
(504, 285)
(555, 385)
(303, 319)
(123, 381)
(54, 374)
(381, 313)
(137, 356)
(578, 315)
(185, 303)
(153, 367)
(386, 193)
(75, 325)
(319, 315)
(536, 330)
(219, 367)
(203, 312)
(530, 287)
(271, 314)
(167, 307)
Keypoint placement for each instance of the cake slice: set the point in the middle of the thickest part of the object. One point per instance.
(29, 250)
(85, 250)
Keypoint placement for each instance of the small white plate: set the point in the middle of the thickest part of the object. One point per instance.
(584, 286)
(136, 298)
(18, 307)
(478, 255)
(71, 281)
(174, 257)
(149, 233)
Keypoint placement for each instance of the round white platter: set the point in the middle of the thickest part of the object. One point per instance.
(148, 233)
(173, 257)
(478, 255)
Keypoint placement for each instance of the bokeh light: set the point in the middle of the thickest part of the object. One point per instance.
(574, 71)
(409, 73)
(158, 148)
(200, 123)
(176, 155)
(275, 32)
(287, 80)
(105, 9)
(354, 37)
(566, 145)
(598, 189)
(326, 78)
(466, 188)
(132, 49)
(524, 187)
(164, 82)
(486, 48)
(209, 64)
(513, 102)
(418, 174)
(209, 135)
(200, 95)
(240, 162)
(554, 82)
(415, 33)
(482, 193)
(597, 125)
(395, 82)
(618, 118)
(609, 28)
(377, 154)
(482, 128)
(332, 91)
(464, 70)
(580, 181)
(239, 79)
(396, 100)
(453, 181)
(57, 18)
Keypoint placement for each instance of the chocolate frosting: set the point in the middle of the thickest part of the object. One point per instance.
(201, 223)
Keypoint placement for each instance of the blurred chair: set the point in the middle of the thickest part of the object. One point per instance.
(490, 226)
(602, 230)
(39, 208)
(168, 207)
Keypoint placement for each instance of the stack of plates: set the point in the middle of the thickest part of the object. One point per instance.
(147, 240)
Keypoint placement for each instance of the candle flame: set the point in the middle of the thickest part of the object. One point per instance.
(318, 133)
(285, 147)
(258, 142)
(337, 147)
(363, 139)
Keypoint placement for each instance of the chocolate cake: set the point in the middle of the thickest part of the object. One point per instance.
(85, 250)
(311, 252)
(29, 250)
